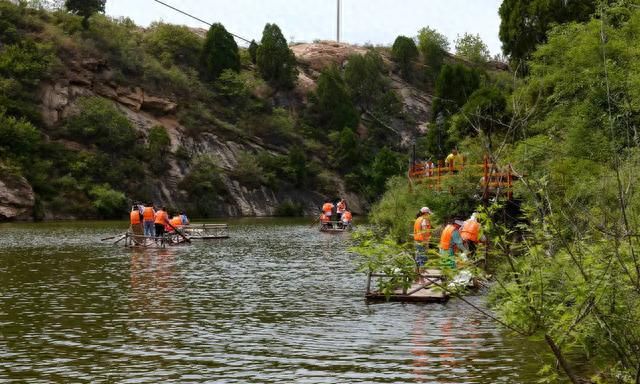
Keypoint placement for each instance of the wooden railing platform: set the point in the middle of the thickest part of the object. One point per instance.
(494, 180)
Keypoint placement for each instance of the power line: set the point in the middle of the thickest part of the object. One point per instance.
(198, 19)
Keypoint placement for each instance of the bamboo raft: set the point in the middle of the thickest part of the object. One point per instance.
(415, 292)
(206, 231)
(335, 227)
(167, 240)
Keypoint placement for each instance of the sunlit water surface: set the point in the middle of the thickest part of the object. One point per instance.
(278, 302)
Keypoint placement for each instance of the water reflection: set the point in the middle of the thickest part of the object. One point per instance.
(275, 303)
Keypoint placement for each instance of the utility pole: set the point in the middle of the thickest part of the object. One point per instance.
(339, 13)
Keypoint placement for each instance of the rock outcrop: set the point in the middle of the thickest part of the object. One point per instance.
(17, 199)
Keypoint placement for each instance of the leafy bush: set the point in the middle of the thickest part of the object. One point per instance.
(159, 149)
(204, 186)
(110, 204)
(253, 51)
(17, 136)
(233, 86)
(85, 8)
(248, 171)
(100, 123)
(173, 44)
(289, 209)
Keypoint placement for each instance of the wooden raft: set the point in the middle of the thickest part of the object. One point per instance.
(334, 227)
(416, 292)
(206, 231)
(167, 240)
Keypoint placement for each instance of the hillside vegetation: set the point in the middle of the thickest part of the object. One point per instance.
(564, 253)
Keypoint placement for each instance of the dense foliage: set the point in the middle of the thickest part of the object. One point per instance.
(564, 253)
(472, 48)
(433, 46)
(525, 23)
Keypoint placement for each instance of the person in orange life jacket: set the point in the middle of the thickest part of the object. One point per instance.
(327, 208)
(149, 217)
(422, 235)
(160, 221)
(470, 233)
(324, 220)
(346, 218)
(449, 241)
(136, 223)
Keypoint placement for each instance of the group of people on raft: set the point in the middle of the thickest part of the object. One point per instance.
(336, 216)
(457, 235)
(152, 222)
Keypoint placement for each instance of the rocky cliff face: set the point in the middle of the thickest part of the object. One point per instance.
(92, 77)
(16, 196)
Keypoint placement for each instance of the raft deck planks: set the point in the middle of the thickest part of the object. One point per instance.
(426, 292)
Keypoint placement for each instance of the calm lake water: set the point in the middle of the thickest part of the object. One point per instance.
(278, 302)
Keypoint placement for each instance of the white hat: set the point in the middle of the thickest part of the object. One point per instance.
(425, 210)
(459, 222)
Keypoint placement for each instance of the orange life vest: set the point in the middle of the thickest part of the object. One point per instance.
(135, 217)
(148, 214)
(347, 216)
(176, 221)
(341, 207)
(420, 234)
(324, 218)
(445, 238)
(327, 208)
(161, 217)
(470, 231)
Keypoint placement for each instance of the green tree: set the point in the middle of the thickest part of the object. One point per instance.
(454, 86)
(434, 47)
(405, 52)
(363, 76)
(85, 8)
(334, 105)
(482, 114)
(524, 23)
(220, 52)
(346, 152)
(297, 167)
(204, 186)
(276, 62)
(472, 48)
(173, 44)
(253, 51)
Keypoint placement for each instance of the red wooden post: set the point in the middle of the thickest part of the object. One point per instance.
(509, 184)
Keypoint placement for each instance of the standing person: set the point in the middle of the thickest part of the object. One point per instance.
(341, 208)
(327, 209)
(449, 241)
(184, 218)
(455, 160)
(136, 224)
(324, 220)
(422, 235)
(149, 217)
(346, 218)
(161, 220)
(470, 233)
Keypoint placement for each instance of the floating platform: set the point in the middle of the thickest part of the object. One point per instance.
(167, 240)
(426, 291)
(206, 231)
(335, 227)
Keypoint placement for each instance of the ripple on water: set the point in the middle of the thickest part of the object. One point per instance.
(275, 303)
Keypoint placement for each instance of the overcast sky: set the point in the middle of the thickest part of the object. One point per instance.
(364, 21)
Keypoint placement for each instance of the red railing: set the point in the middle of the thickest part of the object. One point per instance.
(495, 180)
